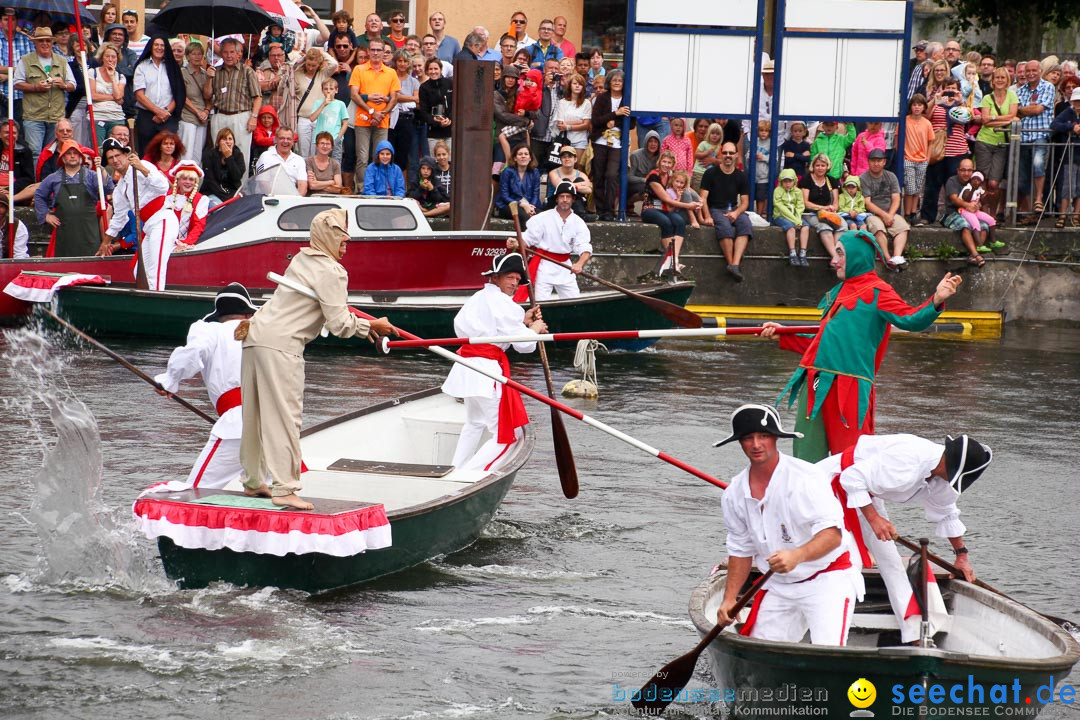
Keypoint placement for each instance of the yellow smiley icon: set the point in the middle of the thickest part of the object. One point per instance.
(862, 693)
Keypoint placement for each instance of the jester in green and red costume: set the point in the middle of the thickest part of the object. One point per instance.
(834, 383)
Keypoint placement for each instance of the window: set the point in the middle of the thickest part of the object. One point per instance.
(298, 219)
(384, 217)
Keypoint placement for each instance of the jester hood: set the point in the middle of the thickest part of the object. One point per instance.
(856, 318)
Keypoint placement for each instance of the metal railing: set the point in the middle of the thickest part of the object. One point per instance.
(1059, 181)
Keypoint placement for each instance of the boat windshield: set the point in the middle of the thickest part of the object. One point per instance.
(271, 181)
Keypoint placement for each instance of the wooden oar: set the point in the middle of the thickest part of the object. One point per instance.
(669, 680)
(1067, 625)
(388, 344)
(564, 455)
(674, 313)
(125, 363)
(293, 285)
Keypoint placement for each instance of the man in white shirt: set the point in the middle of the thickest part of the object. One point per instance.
(781, 514)
(282, 154)
(904, 468)
(154, 101)
(159, 231)
(491, 406)
(560, 233)
(213, 352)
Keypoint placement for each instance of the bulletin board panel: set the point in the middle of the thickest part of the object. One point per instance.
(713, 13)
(698, 74)
(879, 15)
(841, 77)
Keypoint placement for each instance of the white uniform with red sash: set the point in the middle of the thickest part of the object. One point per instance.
(489, 405)
(818, 595)
(213, 352)
(897, 468)
(159, 228)
(559, 238)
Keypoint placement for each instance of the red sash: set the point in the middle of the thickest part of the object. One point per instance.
(512, 413)
(851, 515)
(522, 293)
(228, 400)
(841, 563)
(148, 210)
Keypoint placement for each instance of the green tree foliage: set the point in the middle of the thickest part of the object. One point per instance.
(1020, 23)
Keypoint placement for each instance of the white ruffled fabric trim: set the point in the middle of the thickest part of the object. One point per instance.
(280, 544)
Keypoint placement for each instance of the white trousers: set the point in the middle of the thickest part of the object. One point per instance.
(891, 565)
(305, 131)
(158, 241)
(554, 280)
(194, 138)
(482, 414)
(218, 463)
(238, 123)
(823, 606)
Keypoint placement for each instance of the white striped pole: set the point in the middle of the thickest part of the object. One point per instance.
(503, 380)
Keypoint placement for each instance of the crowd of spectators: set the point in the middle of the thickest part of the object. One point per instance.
(369, 110)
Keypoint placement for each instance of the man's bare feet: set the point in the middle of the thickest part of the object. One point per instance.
(261, 491)
(292, 500)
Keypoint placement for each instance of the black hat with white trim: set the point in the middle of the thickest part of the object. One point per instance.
(233, 299)
(566, 187)
(506, 263)
(754, 418)
(965, 460)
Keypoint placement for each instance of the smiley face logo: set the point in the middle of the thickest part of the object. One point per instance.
(862, 693)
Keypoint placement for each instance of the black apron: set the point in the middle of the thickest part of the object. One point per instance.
(78, 234)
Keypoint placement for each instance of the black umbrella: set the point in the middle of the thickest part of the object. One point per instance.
(62, 10)
(213, 17)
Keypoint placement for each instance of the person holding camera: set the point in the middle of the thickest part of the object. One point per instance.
(435, 103)
(956, 146)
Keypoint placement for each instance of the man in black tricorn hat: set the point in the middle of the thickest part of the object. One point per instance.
(781, 514)
(905, 468)
(489, 405)
(213, 352)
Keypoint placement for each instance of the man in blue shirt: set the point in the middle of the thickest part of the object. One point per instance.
(544, 49)
(1036, 110)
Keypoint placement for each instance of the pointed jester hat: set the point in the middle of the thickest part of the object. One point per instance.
(860, 248)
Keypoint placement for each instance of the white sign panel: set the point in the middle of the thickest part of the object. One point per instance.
(832, 77)
(711, 13)
(832, 15)
(675, 73)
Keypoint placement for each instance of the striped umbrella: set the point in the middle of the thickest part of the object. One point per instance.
(292, 17)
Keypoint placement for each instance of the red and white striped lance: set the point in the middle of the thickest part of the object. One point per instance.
(388, 344)
(503, 380)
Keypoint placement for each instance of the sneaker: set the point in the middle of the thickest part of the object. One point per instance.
(679, 268)
(982, 249)
(793, 260)
(997, 245)
(733, 271)
(921, 222)
(803, 262)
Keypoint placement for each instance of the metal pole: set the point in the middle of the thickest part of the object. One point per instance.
(90, 118)
(9, 16)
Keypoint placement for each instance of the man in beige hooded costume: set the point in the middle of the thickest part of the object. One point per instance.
(272, 365)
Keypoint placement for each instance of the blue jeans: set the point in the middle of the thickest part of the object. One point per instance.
(784, 224)
(671, 223)
(663, 129)
(38, 134)
(726, 230)
(1032, 163)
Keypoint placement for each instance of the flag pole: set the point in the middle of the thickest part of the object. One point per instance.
(90, 117)
(9, 18)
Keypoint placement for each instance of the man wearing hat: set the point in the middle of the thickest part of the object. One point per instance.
(559, 233)
(43, 77)
(904, 468)
(489, 405)
(781, 515)
(140, 184)
(213, 352)
(66, 200)
(918, 54)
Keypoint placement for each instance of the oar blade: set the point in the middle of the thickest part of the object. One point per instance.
(678, 315)
(665, 686)
(564, 456)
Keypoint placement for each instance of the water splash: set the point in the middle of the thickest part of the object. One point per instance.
(83, 542)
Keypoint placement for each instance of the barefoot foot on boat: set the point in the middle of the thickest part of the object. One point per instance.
(294, 501)
(261, 491)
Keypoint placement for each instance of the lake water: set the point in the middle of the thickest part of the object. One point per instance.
(558, 601)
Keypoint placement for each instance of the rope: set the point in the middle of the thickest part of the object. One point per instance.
(1035, 227)
(585, 359)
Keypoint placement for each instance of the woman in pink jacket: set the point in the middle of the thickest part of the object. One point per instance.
(872, 138)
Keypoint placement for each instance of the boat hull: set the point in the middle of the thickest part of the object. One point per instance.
(753, 675)
(126, 312)
(420, 533)
(373, 264)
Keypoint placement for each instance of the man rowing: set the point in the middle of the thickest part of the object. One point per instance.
(560, 233)
(490, 406)
(213, 352)
(780, 514)
(905, 468)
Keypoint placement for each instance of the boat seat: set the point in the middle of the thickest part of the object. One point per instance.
(434, 423)
(874, 621)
